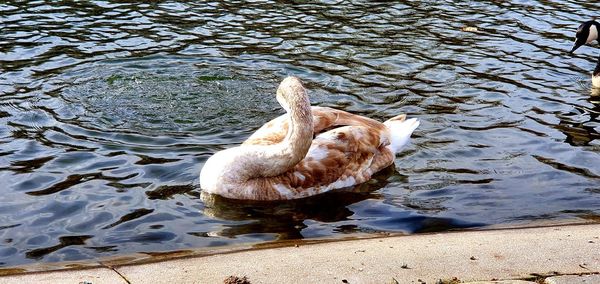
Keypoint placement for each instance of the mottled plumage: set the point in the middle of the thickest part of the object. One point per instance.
(324, 118)
(305, 152)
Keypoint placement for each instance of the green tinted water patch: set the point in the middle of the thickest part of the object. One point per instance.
(209, 78)
(112, 78)
(121, 78)
(180, 102)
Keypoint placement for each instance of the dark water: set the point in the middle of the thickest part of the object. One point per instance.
(109, 109)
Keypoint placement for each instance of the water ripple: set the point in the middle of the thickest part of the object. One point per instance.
(109, 109)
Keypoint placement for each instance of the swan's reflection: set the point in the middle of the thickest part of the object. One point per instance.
(286, 218)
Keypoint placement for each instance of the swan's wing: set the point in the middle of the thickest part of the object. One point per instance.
(338, 158)
(324, 118)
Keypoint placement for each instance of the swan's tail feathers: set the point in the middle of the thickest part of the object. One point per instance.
(400, 131)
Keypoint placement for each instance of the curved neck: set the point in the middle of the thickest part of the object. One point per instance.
(271, 160)
(293, 148)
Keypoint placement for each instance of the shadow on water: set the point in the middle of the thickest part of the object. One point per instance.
(582, 133)
(64, 242)
(287, 218)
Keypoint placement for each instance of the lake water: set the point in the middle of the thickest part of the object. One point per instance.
(109, 109)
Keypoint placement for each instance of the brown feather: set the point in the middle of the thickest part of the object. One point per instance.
(326, 149)
(351, 153)
(324, 118)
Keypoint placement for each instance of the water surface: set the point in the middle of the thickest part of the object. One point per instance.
(109, 109)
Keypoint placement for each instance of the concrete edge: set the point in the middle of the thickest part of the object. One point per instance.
(124, 262)
(509, 254)
(140, 258)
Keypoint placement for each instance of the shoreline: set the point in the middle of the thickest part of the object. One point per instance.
(498, 252)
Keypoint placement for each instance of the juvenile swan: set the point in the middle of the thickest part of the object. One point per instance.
(282, 160)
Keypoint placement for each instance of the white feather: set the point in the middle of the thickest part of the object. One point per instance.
(400, 132)
(318, 153)
(283, 190)
(596, 81)
(593, 34)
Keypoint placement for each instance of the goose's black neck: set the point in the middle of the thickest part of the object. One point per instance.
(597, 69)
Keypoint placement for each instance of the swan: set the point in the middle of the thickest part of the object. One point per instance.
(586, 33)
(298, 154)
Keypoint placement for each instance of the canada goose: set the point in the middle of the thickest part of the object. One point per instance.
(586, 33)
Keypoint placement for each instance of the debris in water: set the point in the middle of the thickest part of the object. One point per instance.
(470, 29)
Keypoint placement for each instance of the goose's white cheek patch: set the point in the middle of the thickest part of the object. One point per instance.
(593, 34)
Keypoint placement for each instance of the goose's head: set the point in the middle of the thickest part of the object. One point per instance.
(586, 33)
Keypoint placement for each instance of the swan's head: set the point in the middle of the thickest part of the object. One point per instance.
(586, 33)
(291, 92)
